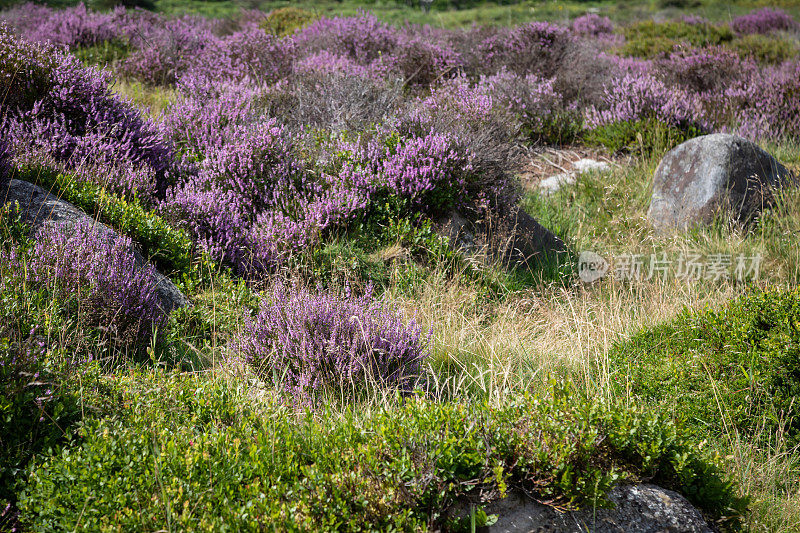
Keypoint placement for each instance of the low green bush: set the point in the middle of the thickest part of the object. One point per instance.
(736, 368)
(641, 136)
(766, 49)
(185, 452)
(650, 39)
(287, 20)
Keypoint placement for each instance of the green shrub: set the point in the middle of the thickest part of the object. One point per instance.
(185, 453)
(36, 408)
(642, 136)
(650, 39)
(287, 20)
(766, 49)
(738, 366)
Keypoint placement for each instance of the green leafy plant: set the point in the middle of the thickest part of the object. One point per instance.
(738, 366)
(185, 452)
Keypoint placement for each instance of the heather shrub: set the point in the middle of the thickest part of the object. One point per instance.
(467, 114)
(287, 20)
(735, 366)
(320, 98)
(633, 98)
(254, 172)
(533, 48)
(68, 112)
(584, 73)
(539, 108)
(764, 20)
(96, 278)
(306, 341)
(248, 54)
(418, 61)
(169, 50)
(704, 70)
(26, 71)
(363, 38)
(770, 107)
(73, 27)
(207, 114)
(592, 25)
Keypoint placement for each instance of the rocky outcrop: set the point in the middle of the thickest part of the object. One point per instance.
(708, 174)
(637, 509)
(40, 207)
(516, 239)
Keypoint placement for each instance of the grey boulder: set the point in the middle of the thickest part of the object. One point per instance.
(515, 239)
(39, 207)
(707, 175)
(637, 509)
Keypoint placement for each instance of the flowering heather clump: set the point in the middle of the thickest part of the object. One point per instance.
(169, 51)
(207, 114)
(536, 47)
(532, 99)
(309, 340)
(763, 21)
(68, 112)
(77, 26)
(633, 98)
(418, 61)
(252, 172)
(705, 69)
(592, 25)
(363, 39)
(96, 276)
(327, 63)
(769, 108)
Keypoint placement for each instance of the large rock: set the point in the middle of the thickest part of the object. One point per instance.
(515, 239)
(637, 509)
(701, 177)
(40, 207)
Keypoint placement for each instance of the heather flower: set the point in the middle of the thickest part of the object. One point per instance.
(764, 20)
(306, 341)
(592, 25)
(96, 275)
(68, 112)
(706, 69)
(362, 39)
(633, 98)
(536, 47)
